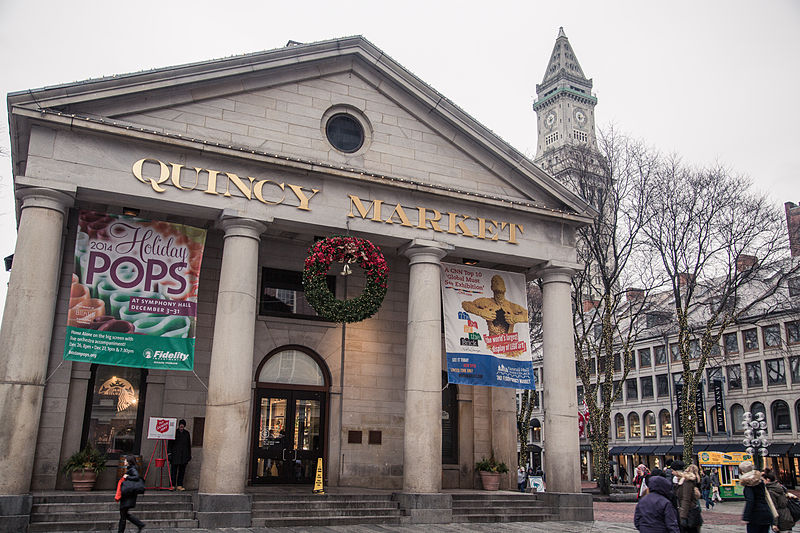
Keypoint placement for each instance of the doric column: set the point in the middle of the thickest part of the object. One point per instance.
(422, 438)
(562, 444)
(26, 331)
(225, 445)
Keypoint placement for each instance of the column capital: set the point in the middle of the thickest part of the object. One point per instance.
(235, 226)
(425, 251)
(551, 272)
(45, 198)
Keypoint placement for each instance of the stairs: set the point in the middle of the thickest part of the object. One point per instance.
(500, 507)
(271, 510)
(97, 511)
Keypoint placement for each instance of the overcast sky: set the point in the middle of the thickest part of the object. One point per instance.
(713, 81)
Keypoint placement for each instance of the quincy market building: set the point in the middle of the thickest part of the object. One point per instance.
(268, 152)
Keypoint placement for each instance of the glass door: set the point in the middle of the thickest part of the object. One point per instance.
(288, 436)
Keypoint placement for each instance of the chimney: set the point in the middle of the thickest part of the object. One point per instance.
(634, 295)
(793, 224)
(588, 305)
(745, 262)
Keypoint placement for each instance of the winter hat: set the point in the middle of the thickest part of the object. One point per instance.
(678, 464)
(745, 467)
(181, 422)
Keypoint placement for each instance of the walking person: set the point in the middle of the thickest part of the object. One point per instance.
(179, 451)
(780, 497)
(655, 513)
(128, 495)
(640, 480)
(522, 478)
(705, 489)
(756, 512)
(715, 497)
(688, 493)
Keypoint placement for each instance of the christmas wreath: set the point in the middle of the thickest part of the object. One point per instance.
(346, 250)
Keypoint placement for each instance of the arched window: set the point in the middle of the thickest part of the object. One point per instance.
(737, 414)
(780, 416)
(758, 407)
(665, 423)
(649, 425)
(619, 424)
(536, 430)
(634, 429)
(292, 366)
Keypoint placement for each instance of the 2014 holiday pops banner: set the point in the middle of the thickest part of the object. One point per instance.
(487, 336)
(133, 300)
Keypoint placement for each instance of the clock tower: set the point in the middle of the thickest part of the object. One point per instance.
(564, 108)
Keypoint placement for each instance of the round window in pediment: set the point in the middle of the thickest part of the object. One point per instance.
(345, 133)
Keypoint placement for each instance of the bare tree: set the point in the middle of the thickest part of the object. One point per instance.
(526, 398)
(617, 182)
(724, 251)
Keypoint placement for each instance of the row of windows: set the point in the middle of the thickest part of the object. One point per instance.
(550, 139)
(581, 136)
(781, 421)
(657, 355)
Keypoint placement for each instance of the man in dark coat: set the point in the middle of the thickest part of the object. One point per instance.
(654, 512)
(180, 453)
(128, 499)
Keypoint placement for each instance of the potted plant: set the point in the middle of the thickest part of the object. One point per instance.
(83, 467)
(490, 470)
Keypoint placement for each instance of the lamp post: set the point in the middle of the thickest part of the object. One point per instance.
(755, 436)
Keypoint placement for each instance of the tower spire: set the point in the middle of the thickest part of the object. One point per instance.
(563, 61)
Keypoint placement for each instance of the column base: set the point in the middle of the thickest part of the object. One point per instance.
(569, 506)
(434, 508)
(15, 512)
(223, 510)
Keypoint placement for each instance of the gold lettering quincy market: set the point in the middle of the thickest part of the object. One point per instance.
(263, 190)
(428, 218)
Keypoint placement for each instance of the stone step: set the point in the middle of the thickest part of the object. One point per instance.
(48, 508)
(492, 518)
(470, 504)
(110, 525)
(108, 496)
(289, 505)
(292, 498)
(320, 513)
(288, 521)
(100, 516)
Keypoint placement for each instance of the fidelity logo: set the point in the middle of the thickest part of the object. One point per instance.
(162, 355)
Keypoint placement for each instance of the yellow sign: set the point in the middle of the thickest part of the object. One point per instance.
(318, 479)
(720, 458)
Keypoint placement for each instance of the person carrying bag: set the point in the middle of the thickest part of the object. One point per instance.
(128, 488)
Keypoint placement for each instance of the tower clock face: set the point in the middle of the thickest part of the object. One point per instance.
(580, 117)
(550, 119)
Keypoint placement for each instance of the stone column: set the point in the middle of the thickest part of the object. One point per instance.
(25, 342)
(422, 437)
(221, 499)
(504, 432)
(562, 469)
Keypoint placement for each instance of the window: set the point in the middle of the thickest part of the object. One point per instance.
(793, 332)
(449, 422)
(649, 423)
(656, 319)
(675, 351)
(345, 133)
(536, 430)
(635, 430)
(734, 377)
(114, 424)
(647, 386)
(617, 362)
(644, 358)
(580, 136)
(750, 340)
(713, 373)
(776, 373)
(592, 367)
(677, 378)
(731, 341)
(580, 394)
(794, 287)
(660, 355)
(754, 374)
(665, 421)
(619, 425)
(737, 415)
(617, 385)
(550, 139)
(694, 349)
(662, 386)
(282, 294)
(631, 391)
(601, 364)
(772, 336)
(780, 416)
(794, 368)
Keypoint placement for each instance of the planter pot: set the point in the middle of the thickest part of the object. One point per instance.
(83, 481)
(490, 480)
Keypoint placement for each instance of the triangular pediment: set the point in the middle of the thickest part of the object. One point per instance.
(276, 102)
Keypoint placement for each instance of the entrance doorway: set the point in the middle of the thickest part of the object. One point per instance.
(289, 435)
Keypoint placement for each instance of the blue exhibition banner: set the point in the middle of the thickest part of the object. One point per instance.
(487, 336)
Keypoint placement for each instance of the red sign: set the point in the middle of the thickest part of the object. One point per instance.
(162, 426)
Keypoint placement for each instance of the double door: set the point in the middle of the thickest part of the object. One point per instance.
(288, 435)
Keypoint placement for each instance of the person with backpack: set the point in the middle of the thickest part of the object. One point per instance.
(130, 486)
(655, 513)
(780, 498)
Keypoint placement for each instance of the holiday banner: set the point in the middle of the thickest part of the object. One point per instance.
(133, 300)
(487, 336)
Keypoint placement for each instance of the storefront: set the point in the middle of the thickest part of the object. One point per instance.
(265, 154)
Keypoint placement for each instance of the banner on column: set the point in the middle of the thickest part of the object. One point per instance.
(720, 405)
(487, 336)
(133, 299)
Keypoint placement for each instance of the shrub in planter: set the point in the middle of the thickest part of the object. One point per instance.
(83, 466)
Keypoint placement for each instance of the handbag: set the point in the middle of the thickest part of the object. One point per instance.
(118, 495)
(133, 486)
(794, 508)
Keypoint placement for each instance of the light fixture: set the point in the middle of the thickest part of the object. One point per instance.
(130, 211)
(469, 262)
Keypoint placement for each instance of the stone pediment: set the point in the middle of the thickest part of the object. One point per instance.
(275, 103)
